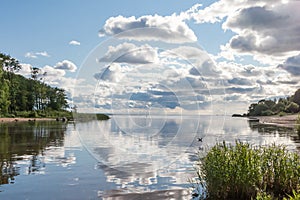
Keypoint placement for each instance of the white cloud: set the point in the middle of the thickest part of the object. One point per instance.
(112, 73)
(36, 54)
(66, 65)
(25, 69)
(52, 72)
(150, 27)
(74, 42)
(130, 53)
(30, 55)
(186, 72)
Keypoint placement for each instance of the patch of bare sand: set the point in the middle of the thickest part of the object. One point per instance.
(19, 119)
(284, 121)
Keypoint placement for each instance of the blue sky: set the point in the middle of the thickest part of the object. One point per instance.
(251, 51)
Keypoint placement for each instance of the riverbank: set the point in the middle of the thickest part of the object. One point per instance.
(20, 119)
(283, 121)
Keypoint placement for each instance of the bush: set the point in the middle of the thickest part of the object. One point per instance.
(267, 113)
(242, 171)
(281, 114)
(292, 107)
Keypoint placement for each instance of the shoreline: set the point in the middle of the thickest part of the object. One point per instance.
(22, 119)
(288, 121)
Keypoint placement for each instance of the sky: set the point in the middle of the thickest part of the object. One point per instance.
(149, 57)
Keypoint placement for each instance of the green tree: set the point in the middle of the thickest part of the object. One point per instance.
(4, 97)
(296, 97)
(292, 107)
(11, 66)
(279, 107)
(18, 94)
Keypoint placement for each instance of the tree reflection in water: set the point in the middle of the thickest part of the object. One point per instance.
(270, 129)
(23, 142)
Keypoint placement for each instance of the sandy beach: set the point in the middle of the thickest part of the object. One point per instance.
(19, 119)
(284, 121)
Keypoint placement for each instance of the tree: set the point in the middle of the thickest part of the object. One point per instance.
(292, 107)
(280, 106)
(4, 97)
(296, 97)
(11, 66)
(18, 93)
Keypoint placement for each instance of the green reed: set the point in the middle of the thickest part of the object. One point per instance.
(243, 171)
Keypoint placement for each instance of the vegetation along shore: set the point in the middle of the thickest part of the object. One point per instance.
(24, 99)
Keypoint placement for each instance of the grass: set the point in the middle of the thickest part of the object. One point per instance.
(243, 171)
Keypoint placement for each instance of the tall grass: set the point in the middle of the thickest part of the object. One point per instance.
(243, 171)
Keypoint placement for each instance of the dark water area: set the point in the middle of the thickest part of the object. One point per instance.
(126, 157)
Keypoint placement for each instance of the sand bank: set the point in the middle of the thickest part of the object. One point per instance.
(284, 121)
(19, 119)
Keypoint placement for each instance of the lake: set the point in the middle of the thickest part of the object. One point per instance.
(126, 157)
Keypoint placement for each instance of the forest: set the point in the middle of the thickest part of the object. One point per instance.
(281, 106)
(28, 97)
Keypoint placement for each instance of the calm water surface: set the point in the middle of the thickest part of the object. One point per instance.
(126, 157)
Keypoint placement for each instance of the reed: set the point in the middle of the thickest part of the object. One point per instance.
(243, 171)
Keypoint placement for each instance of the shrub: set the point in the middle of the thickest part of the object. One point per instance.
(242, 171)
(292, 107)
(267, 113)
(281, 114)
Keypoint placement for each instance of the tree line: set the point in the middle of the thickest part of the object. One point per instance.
(27, 97)
(281, 106)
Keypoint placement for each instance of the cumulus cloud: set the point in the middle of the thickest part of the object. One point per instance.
(268, 31)
(265, 30)
(36, 54)
(150, 27)
(112, 73)
(187, 52)
(74, 42)
(52, 72)
(292, 65)
(219, 10)
(130, 53)
(66, 65)
(25, 69)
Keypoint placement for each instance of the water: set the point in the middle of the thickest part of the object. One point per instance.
(126, 157)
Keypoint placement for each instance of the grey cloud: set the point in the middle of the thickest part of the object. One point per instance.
(206, 68)
(292, 65)
(241, 90)
(232, 98)
(194, 71)
(243, 43)
(258, 18)
(111, 73)
(269, 31)
(239, 81)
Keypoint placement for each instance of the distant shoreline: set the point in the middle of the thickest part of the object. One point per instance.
(21, 119)
(288, 121)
